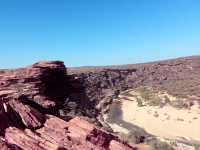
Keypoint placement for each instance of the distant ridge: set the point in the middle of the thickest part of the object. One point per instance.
(82, 69)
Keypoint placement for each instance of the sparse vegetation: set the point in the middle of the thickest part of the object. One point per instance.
(159, 145)
(133, 137)
(128, 94)
(139, 102)
(173, 142)
(166, 98)
(149, 96)
(155, 101)
(156, 114)
(178, 104)
(145, 93)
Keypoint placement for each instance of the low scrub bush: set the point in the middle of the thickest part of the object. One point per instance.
(158, 145)
(178, 104)
(133, 137)
(145, 93)
(139, 102)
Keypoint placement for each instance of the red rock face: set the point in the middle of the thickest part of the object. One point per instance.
(42, 83)
(57, 134)
(27, 95)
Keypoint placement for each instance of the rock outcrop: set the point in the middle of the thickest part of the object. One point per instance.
(41, 84)
(27, 95)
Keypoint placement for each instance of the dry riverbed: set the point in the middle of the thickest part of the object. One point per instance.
(164, 122)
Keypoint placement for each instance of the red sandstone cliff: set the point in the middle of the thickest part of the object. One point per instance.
(27, 96)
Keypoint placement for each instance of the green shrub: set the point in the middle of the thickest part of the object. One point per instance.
(137, 136)
(173, 142)
(139, 102)
(167, 100)
(133, 137)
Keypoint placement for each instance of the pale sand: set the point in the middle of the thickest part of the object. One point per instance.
(171, 123)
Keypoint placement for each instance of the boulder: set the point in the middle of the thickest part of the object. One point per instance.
(30, 117)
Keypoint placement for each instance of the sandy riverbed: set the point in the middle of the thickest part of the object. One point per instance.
(167, 122)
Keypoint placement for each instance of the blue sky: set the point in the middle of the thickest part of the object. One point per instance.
(97, 32)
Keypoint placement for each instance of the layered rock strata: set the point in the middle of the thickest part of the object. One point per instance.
(27, 95)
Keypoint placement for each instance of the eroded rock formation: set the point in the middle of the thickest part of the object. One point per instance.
(27, 95)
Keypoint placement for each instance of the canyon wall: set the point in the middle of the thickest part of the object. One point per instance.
(96, 87)
(29, 95)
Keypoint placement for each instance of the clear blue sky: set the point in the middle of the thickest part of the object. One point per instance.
(97, 32)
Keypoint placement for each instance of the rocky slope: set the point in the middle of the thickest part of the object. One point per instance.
(27, 96)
